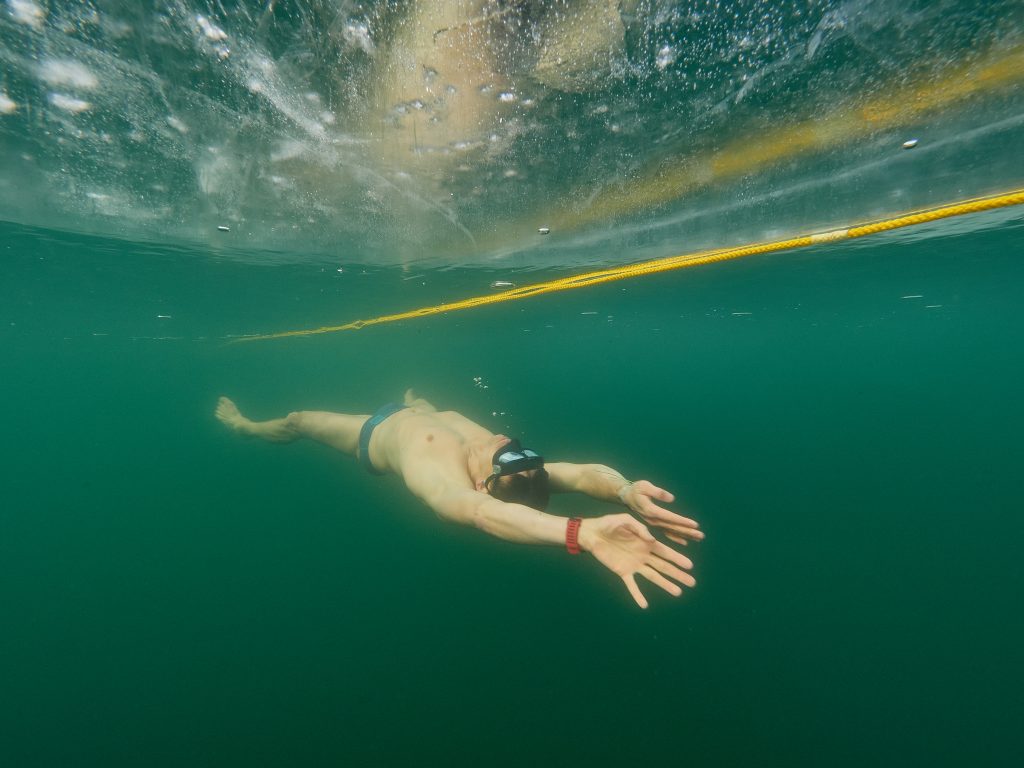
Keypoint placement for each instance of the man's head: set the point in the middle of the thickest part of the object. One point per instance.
(518, 476)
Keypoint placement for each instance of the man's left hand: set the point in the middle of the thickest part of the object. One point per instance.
(640, 497)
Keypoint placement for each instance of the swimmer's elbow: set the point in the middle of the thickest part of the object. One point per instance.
(457, 509)
(460, 517)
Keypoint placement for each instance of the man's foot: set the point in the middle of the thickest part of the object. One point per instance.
(276, 430)
(230, 416)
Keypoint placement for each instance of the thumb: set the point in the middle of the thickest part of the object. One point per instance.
(650, 489)
(640, 529)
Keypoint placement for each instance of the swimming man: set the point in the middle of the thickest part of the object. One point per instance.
(468, 475)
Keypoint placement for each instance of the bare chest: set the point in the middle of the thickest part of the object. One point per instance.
(440, 436)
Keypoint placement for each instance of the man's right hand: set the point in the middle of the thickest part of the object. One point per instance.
(640, 497)
(625, 547)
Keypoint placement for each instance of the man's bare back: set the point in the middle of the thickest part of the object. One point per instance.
(453, 464)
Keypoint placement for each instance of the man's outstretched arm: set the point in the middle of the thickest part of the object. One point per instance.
(607, 484)
(619, 542)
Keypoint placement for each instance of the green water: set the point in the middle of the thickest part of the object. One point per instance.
(172, 595)
(844, 421)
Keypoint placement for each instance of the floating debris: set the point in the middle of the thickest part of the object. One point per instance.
(222, 228)
(910, 143)
(912, 296)
(164, 317)
(544, 230)
(502, 284)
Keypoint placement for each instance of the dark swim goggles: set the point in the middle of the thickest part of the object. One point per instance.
(511, 459)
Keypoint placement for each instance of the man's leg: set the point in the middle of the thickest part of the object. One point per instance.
(338, 430)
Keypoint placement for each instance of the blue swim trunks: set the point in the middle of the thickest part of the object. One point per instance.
(367, 431)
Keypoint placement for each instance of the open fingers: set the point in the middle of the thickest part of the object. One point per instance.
(660, 581)
(666, 552)
(677, 533)
(634, 590)
(647, 488)
(666, 568)
(675, 537)
(665, 518)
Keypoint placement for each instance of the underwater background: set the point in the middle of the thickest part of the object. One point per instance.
(845, 420)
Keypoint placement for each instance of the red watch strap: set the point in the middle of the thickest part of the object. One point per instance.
(572, 535)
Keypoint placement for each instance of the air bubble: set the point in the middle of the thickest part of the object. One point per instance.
(69, 103)
(666, 57)
(211, 30)
(26, 12)
(69, 73)
(358, 35)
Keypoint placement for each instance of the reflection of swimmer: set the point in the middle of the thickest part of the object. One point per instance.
(468, 475)
(434, 87)
(452, 67)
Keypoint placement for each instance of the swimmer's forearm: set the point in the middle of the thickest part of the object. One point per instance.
(600, 482)
(511, 522)
(519, 523)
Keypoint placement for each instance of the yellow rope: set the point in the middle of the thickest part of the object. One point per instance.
(682, 261)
